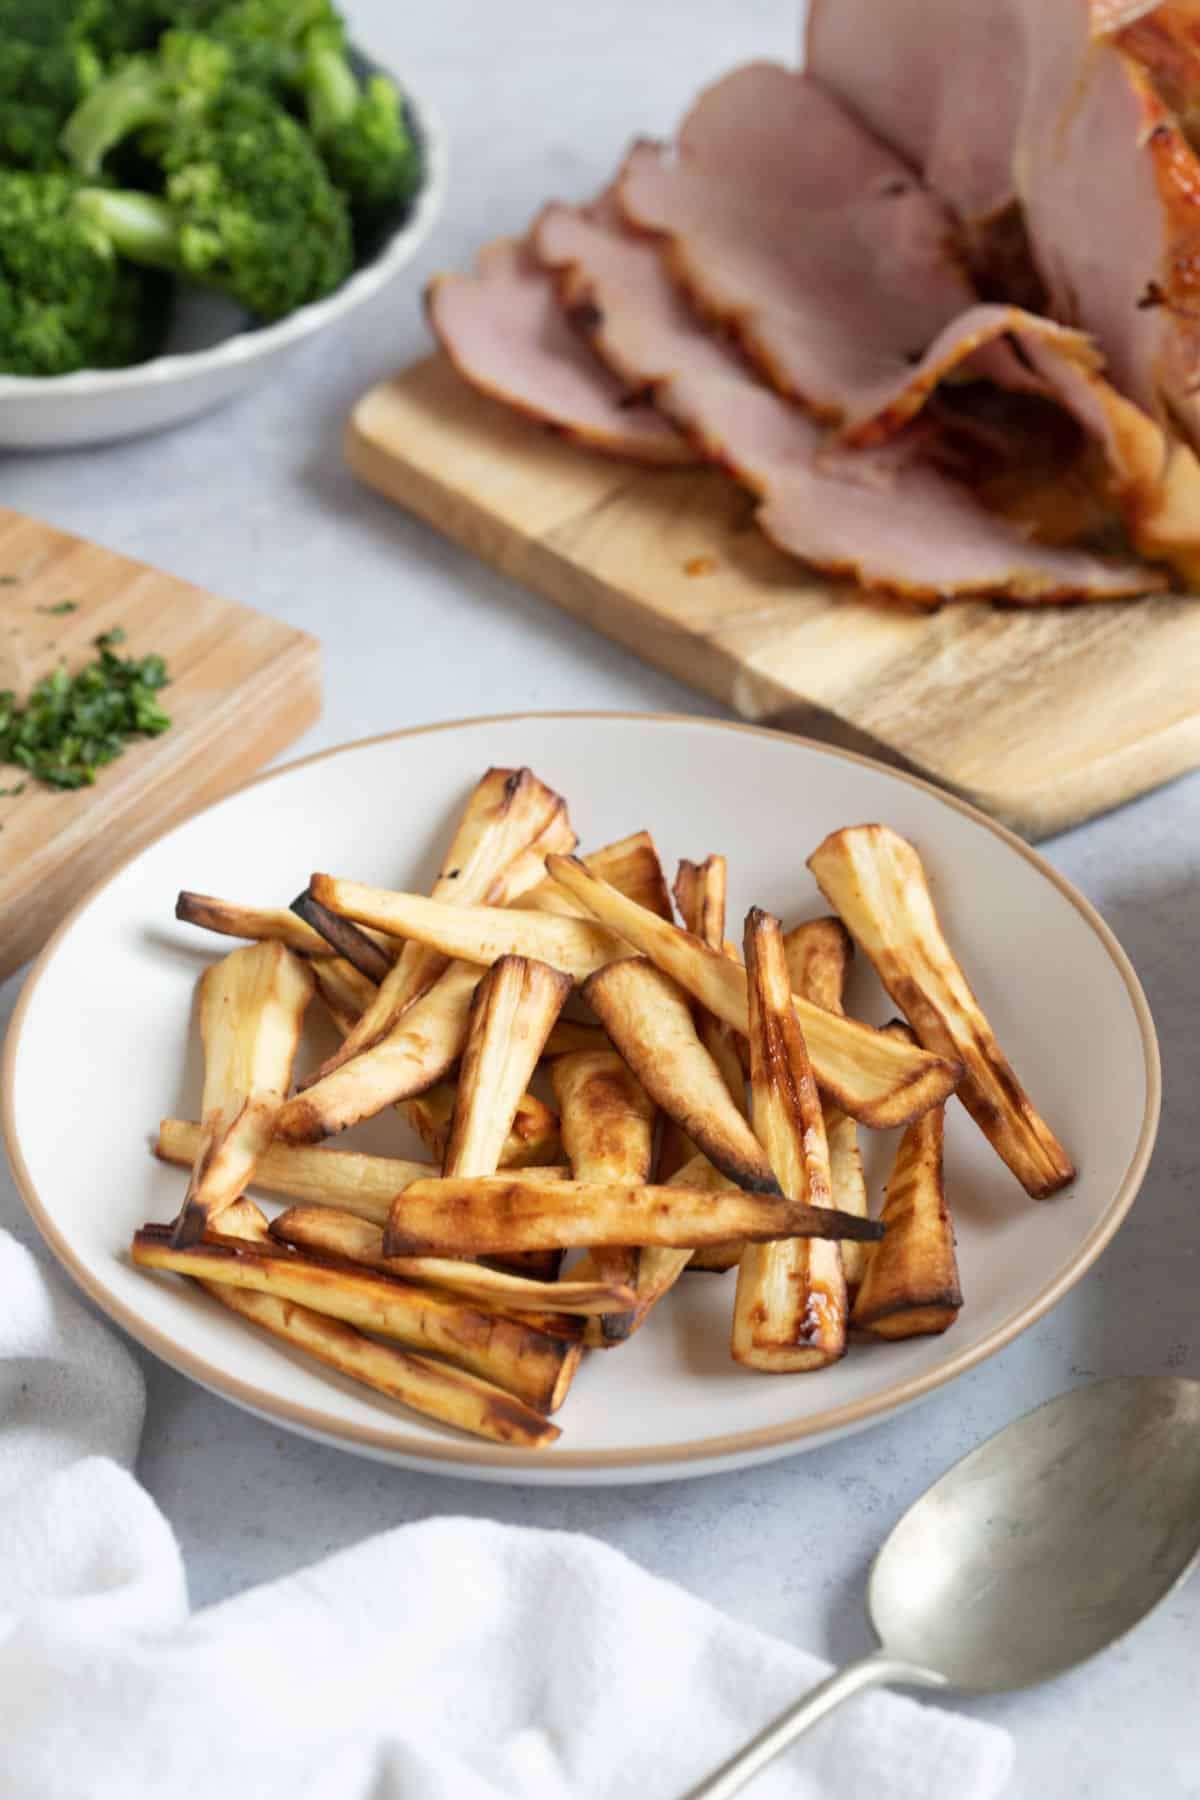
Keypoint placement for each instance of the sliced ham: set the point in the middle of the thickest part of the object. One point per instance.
(505, 333)
(809, 239)
(1111, 191)
(882, 517)
(1153, 484)
(941, 81)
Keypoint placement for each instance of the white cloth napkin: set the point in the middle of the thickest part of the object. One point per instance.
(450, 1660)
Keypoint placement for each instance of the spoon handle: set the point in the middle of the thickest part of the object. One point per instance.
(872, 1670)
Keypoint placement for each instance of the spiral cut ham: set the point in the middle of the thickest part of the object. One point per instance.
(792, 291)
(887, 519)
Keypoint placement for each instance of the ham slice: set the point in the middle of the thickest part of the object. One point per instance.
(882, 517)
(941, 81)
(1054, 102)
(810, 240)
(505, 333)
(1153, 484)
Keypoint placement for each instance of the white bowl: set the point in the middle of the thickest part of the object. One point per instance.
(211, 353)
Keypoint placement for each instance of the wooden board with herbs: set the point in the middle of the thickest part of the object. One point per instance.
(1044, 716)
(239, 687)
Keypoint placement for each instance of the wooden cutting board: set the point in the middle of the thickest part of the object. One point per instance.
(1042, 716)
(242, 687)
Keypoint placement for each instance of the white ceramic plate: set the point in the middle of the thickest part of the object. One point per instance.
(211, 353)
(102, 1045)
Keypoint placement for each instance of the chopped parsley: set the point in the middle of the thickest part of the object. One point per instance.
(64, 606)
(19, 789)
(72, 725)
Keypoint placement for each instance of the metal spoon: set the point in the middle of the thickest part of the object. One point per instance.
(1037, 1550)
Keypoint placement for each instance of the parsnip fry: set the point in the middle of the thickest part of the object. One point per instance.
(649, 1019)
(493, 1215)
(514, 1008)
(252, 1006)
(478, 934)
(910, 1285)
(433, 1389)
(569, 1036)
(871, 1077)
(631, 864)
(606, 1117)
(344, 992)
(659, 1268)
(532, 1139)
(535, 1367)
(876, 881)
(349, 1179)
(260, 924)
(350, 942)
(700, 896)
(789, 1312)
(607, 1123)
(718, 1260)
(332, 1233)
(819, 954)
(423, 1045)
(508, 812)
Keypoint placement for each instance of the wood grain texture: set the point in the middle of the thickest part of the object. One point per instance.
(1042, 716)
(243, 686)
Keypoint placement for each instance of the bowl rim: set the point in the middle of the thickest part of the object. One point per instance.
(690, 1456)
(262, 340)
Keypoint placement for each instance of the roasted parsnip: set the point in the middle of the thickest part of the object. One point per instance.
(819, 954)
(514, 1007)
(259, 924)
(345, 992)
(700, 896)
(633, 867)
(532, 1365)
(422, 1046)
(350, 942)
(876, 881)
(607, 1124)
(789, 1313)
(659, 1267)
(479, 934)
(494, 1215)
(252, 1006)
(532, 1140)
(329, 1232)
(910, 1285)
(349, 1179)
(568, 1036)
(434, 1389)
(649, 1018)
(508, 812)
(870, 1076)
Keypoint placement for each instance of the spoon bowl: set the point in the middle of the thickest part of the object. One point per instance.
(1048, 1542)
(1036, 1551)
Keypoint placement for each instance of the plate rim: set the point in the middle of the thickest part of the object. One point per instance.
(755, 1443)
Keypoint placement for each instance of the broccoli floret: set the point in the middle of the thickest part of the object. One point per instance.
(361, 132)
(247, 206)
(66, 299)
(40, 85)
(147, 94)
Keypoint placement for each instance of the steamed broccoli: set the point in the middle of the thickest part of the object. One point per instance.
(66, 300)
(361, 132)
(247, 206)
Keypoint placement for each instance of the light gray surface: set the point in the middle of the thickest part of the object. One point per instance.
(254, 502)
